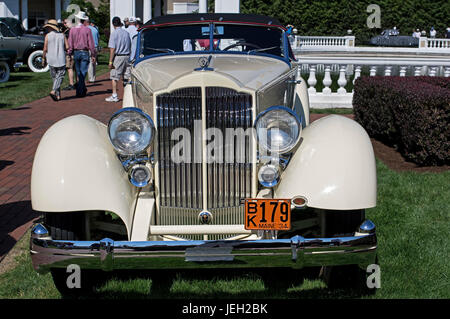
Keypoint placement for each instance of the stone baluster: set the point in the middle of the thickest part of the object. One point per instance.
(433, 70)
(417, 70)
(327, 80)
(312, 81)
(373, 70)
(342, 81)
(388, 70)
(403, 70)
(357, 73)
(447, 72)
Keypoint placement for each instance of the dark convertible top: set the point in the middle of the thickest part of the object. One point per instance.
(216, 17)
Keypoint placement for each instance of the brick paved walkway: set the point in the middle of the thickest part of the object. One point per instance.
(20, 132)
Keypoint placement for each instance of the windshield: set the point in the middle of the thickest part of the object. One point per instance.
(225, 37)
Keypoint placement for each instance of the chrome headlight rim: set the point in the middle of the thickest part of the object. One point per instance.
(146, 117)
(291, 113)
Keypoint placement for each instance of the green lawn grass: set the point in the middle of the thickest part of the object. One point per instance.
(25, 86)
(413, 226)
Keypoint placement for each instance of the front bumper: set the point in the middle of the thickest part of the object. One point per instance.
(296, 252)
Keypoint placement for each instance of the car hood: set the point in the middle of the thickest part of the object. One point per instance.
(251, 72)
(36, 38)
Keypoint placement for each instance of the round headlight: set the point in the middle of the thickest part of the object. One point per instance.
(130, 131)
(278, 129)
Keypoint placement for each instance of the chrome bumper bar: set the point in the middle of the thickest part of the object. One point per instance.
(296, 252)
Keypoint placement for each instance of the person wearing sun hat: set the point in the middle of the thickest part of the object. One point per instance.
(54, 54)
(81, 42)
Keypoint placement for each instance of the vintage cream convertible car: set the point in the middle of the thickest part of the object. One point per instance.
(211, 162)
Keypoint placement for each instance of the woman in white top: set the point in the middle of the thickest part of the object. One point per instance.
(55, 47)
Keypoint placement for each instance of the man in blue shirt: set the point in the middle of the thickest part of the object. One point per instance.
(120, 50)
(92, 65)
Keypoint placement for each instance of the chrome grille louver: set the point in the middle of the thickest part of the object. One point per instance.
(181, 195)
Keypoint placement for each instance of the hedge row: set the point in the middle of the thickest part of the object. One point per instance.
(411, 113)
(335, 17)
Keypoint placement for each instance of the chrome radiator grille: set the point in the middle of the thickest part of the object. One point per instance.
(229, 180)
(181, 193)
(180, 184)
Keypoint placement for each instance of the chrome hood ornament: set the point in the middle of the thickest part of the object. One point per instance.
(204, 62)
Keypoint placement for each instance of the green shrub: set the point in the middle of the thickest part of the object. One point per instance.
(411, 113)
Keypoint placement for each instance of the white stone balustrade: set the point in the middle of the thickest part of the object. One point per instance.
(347, 43)
(345, 67)
(433, 43)
(307, 42)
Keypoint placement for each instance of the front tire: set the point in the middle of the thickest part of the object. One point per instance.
(71, 226)
(89, 279)
(4, 72)
(340, 224)
(35, 62)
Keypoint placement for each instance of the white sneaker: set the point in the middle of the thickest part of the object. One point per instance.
(112, 98)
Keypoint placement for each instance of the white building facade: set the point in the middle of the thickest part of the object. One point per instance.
(35, 12)
(146, 9)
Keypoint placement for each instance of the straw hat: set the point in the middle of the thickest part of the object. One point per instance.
(52, 23)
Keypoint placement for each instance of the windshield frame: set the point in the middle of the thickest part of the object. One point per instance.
(285, 43)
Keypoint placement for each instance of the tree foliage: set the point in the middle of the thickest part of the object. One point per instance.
(335, 17)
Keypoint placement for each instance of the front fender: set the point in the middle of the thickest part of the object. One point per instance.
(75, 168)
(334, 166)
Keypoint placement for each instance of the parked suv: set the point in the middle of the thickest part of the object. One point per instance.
(28, 47)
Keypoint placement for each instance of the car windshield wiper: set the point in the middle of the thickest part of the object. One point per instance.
(260, 50)
(167, 50)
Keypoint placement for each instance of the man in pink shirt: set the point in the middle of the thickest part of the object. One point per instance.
(81, 42)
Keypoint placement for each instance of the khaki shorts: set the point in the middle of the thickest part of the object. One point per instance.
(121, 68)
(69, 62)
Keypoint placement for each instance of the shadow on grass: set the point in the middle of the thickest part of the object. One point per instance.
(12, 216)
(274, 283)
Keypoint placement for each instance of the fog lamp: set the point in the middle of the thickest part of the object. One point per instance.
(140, 175)
(269, 175)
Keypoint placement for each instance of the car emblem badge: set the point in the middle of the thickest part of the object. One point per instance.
(205, 217)
(204, 62)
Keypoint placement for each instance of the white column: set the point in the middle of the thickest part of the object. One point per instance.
(342, 81)
(357, 73)
(226, 6)
(447, 72)
(157, 12)
(402, 70)
(312, 81)
(433, 71)
(373, 70)
(57, 9)
(417, 70)
(24, 14)
(147, 10)
(203, 6)
(388, 71)
(327, 80)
